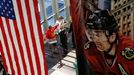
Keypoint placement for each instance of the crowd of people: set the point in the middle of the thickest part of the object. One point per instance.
(58, 30)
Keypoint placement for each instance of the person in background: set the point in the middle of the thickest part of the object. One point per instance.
(51, 38)
(59, 22)
(107, 52)
(62, 33)
(50, 33)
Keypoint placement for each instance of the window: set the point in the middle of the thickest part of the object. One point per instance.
(41, 18)
(119, 12)
(60, 4)
(124, 9)
(53, 9)
(129, 33)
(119, 20)
(62, 13)
(128, 7)
(120, 28)
(119, 5)
(128, 16)
(115, 7)
(124, 33)
(124, 18)
(115, 1)
(128, 25)
(48, 5)
(124, 26)
(51, 21)
(124, 2)
(115, 14)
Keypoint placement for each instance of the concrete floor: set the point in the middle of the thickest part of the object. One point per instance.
(68, 66)
(52, 61)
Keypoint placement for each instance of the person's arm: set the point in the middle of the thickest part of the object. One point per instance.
(55, 27)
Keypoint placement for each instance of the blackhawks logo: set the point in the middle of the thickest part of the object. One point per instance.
(128, 53)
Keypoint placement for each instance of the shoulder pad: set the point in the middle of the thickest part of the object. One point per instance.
(128, 53)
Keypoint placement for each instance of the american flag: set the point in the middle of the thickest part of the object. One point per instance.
(21, 38)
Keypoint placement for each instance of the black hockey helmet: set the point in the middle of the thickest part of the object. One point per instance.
(101, 19)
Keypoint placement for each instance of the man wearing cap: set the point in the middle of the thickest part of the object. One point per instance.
(107, 52)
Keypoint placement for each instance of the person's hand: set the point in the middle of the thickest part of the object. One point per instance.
(56, 34)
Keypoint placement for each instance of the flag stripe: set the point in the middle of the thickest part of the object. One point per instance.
(21, 42)
(19, 51)
(7, 25)
(5, 58)
(8, 51)
(32, 40)
(24, 55)
(19, 15)
(28, 25)
(33, 37)
(34, 21)
(12, 52)
(40, 35)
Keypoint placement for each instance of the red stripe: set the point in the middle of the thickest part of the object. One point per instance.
(33, 37)
(2, 52)
(7, 48)
(14, 50)
(20, 46)
(40, 34)
(25, 36)
(3, 58)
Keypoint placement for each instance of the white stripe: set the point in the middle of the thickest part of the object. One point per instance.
(10, 46)
(21, 35)
(16, 46)
(5, 53)
(29, 36)
(37, 37)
